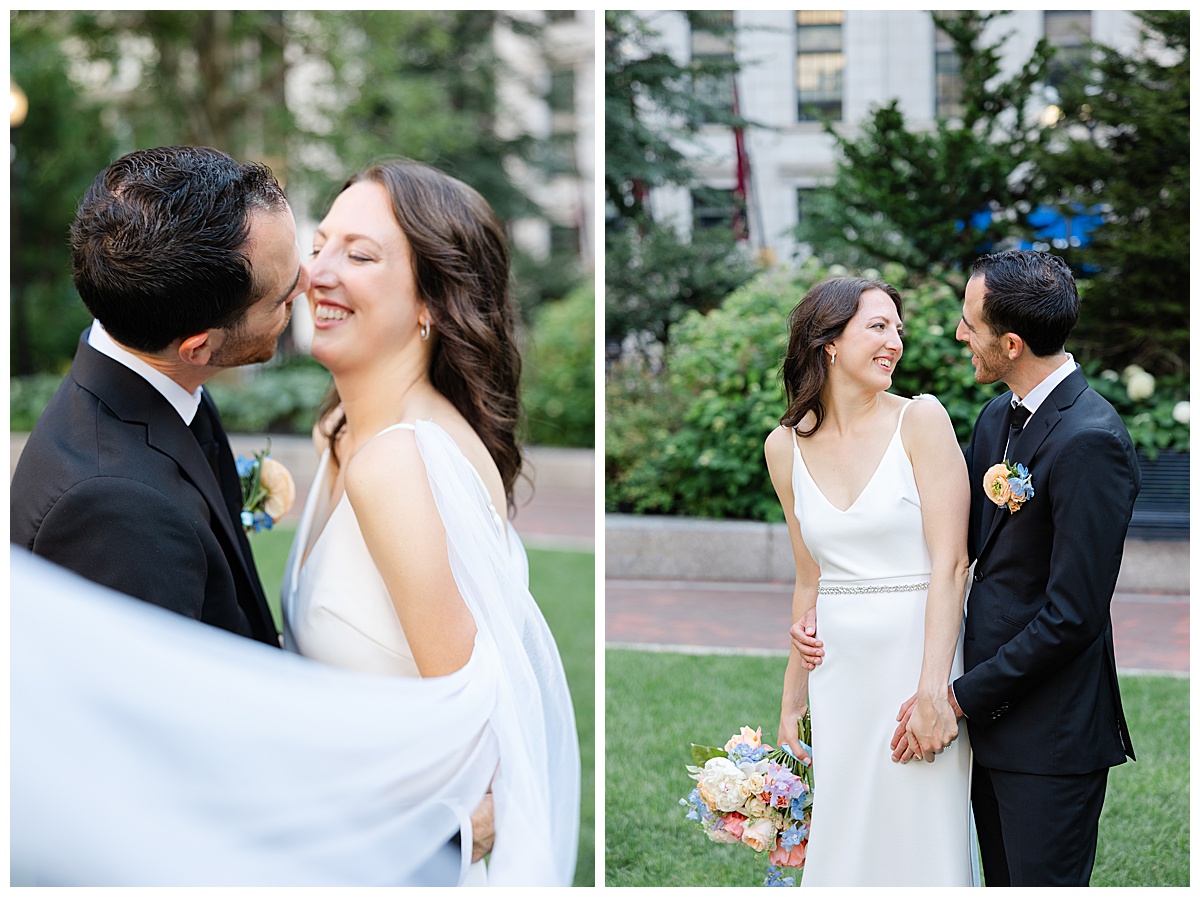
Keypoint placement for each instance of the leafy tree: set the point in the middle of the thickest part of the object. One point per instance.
(54, 155)
(360, 86)
(211, 78)
(654, 107)
(915, 197)
(653, 278)
(652, 110)
(1124, 147)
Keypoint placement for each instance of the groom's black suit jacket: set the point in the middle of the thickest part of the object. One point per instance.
(114, 485)
(1040, 682)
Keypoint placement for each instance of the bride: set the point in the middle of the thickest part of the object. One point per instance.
(403, 564)
(874, 491)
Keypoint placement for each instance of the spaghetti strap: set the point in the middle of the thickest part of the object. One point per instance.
(908, 405)
(405, 425)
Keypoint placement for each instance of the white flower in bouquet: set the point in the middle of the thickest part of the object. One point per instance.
(719, 784)
(1182, 412)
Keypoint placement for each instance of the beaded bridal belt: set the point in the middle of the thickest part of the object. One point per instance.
(871, 590)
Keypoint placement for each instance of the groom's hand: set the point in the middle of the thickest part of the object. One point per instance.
(901, 752)
(483, 829)
(805, 641)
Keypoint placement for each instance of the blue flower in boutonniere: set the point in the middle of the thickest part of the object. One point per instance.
(1008, 485)
(268, 490)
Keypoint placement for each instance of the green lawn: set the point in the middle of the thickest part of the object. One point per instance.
(563, 583)
(657, 704)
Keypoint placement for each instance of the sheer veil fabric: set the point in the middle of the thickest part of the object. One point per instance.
(149, 749)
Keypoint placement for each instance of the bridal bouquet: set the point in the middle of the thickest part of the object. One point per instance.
(752, 794)
(268, 490)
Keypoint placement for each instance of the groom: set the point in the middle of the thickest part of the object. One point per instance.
(1039, 691)
(188, 261)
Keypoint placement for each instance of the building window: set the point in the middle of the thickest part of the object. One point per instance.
(714, 42)
(947, 75)
(819, 64)
(714, 208)
(1068, 31)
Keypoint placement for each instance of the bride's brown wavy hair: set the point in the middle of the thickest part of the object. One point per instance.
(816, 321)
(461, 268)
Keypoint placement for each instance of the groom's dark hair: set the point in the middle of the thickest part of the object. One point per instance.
(1031, 294)
(158, 245)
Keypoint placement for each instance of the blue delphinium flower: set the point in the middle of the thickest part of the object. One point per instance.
(261, 521)
(697, 810)
(245, 466)
(743, 752)
(799, 802)
(793, 835)
(1021, 483)
(776, 879)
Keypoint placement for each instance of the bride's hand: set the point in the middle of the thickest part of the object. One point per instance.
(789, 734)
(931, 727)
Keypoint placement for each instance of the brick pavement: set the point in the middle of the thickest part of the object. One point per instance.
(1150, 631)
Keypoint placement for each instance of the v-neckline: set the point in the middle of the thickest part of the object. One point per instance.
(878, 466)
(309, 545)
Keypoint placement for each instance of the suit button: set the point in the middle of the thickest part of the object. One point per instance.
(978, 576)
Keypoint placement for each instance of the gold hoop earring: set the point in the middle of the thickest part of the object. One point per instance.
(425, 328)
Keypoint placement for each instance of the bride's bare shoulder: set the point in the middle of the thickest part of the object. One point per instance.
(778, 448)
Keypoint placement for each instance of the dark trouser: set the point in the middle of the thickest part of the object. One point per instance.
(1036, 830)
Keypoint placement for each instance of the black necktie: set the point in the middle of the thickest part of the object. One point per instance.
(1016, 422)
(202, 427)
(1019, 416)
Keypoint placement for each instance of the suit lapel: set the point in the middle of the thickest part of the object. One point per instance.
(992, 514)
(1024, 448)
(134, 400)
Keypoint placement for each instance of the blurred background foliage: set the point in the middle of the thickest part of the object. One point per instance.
(316, 95)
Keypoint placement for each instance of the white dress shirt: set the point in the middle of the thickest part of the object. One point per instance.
(181, 400)
(1038, 394)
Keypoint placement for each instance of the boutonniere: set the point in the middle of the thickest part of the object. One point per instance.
(1008, 485)
(268, 490)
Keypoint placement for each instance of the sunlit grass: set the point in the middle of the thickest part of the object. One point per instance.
(656, 704)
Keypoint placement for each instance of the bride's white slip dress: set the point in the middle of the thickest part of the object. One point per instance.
(151, 749)
(336, 607)
(874, 821)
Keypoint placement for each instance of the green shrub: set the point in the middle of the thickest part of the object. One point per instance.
(559, 372)
(653, 276)
(279, 397)
(699, 450)
(27, 398)
(1156, 422)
